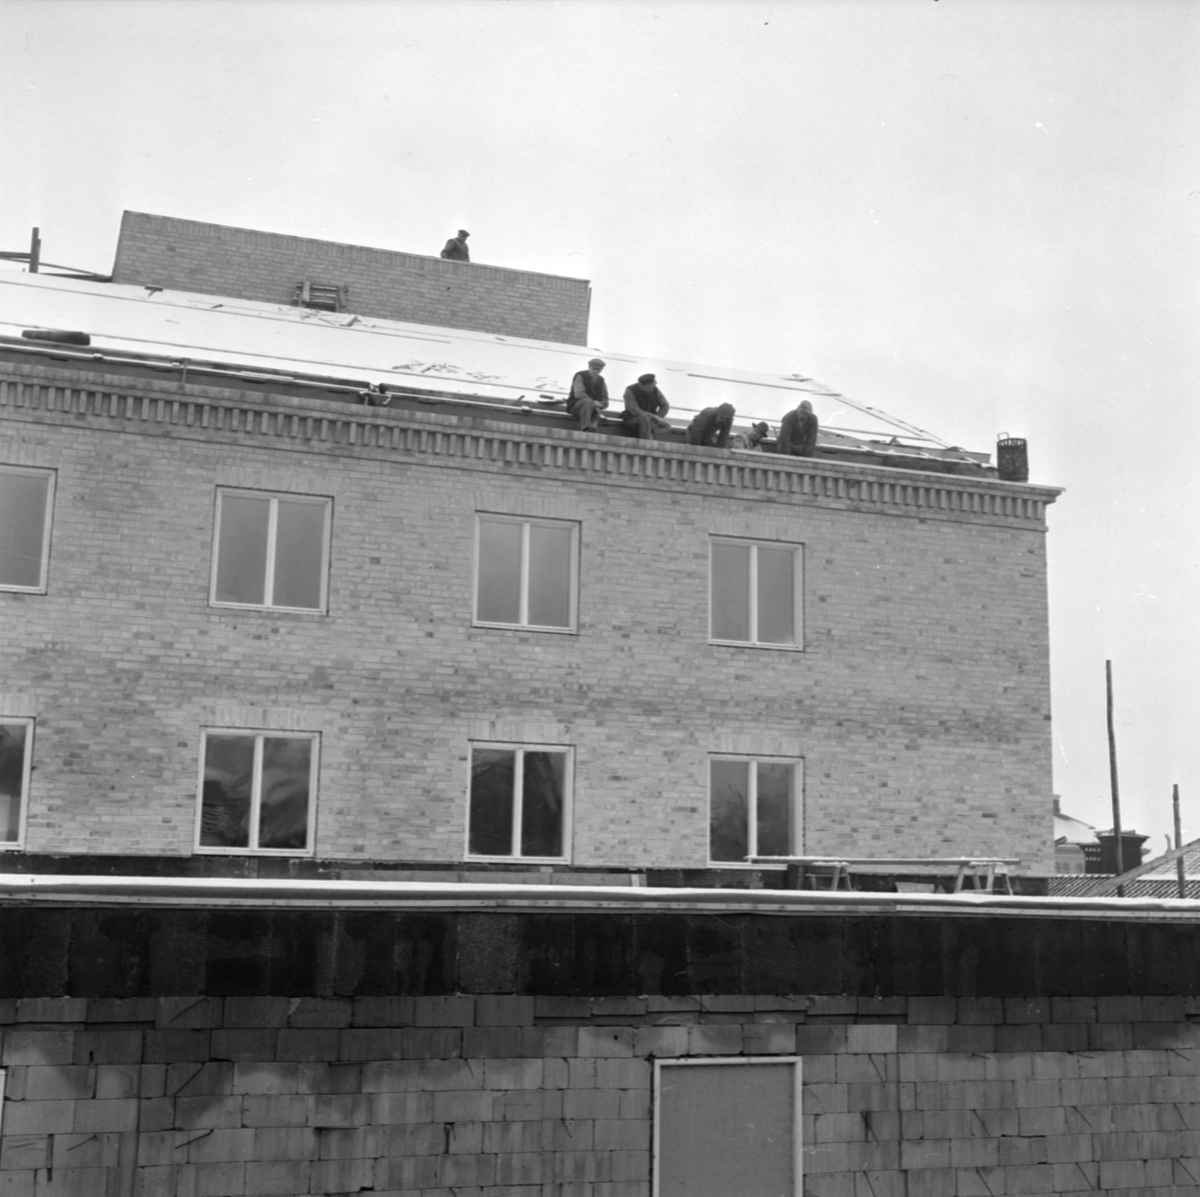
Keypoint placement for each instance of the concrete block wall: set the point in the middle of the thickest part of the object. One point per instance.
(215, 1051)
(920, 704)
(521, 1096)
(212, 259)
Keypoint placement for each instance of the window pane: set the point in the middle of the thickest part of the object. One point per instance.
(242, 549)
(550, 576)
(499, 596)
(730, 591)
(776, 596)
(299, 554)
(283, 795)
(12, 778)
(542, 803)
(491, 807)
(228, 784)
(726, 1130)
(728, 808)
(23, 500)
(775, 808)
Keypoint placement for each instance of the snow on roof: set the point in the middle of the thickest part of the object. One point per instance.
(1073, 831)
(278, 337)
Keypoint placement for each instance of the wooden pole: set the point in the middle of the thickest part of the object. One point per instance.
(35, 252)
(1179, 872)
(1112, 773)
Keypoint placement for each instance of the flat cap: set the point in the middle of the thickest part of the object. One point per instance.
(646, 378)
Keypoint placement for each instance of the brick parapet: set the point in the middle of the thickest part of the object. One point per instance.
(217, 415)
(186, 255)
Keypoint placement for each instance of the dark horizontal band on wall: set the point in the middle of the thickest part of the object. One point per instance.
(136, 951)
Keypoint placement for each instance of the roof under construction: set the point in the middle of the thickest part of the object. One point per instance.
(340, 356)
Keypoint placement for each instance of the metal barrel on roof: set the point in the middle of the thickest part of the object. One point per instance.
(1012, 458)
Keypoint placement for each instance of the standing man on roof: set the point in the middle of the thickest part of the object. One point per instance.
(711, 426)
(645, 407)
(798, 432)
(588, 396)
(455, 250)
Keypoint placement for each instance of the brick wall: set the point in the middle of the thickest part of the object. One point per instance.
(533, 1094)
(212, 259)
(920, 705)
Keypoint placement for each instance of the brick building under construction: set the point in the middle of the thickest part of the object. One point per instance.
(386, 765)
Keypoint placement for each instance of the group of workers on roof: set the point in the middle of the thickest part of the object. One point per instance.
(645, 410)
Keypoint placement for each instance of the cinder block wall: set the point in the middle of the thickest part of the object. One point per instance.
(920, 705)
(213, 259)
(520, 1094)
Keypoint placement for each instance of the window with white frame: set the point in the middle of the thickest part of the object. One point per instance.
(520, 802)
(755, 593)
(257, 792)
(26, 500)
(526, 573)
(727, 1127)
(753, 807)
(16, 755)
(271, 550)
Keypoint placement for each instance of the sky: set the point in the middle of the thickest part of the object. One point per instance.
(982, 216)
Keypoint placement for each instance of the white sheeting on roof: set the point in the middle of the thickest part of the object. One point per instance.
(136, 319)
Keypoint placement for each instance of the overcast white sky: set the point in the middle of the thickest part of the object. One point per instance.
(982, 216)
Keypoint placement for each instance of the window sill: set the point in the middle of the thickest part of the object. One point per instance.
(745, 865)
(292, 852)
(521, 860)
(267, 610)
(6, 589)
(524, 627)
(782, 648)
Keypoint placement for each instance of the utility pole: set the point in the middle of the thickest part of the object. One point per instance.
(1179, 871)
(1112, 772)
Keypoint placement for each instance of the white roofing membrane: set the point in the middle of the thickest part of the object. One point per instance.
(278, 337)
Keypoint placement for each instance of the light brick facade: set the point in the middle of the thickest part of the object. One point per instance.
(213, 259)
(919, 704)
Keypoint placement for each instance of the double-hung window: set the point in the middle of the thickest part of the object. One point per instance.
(257, 792)
(519, 805)
(16, 752)
(271, 550)
(755, 593)
(753, 807)
(526, 573)
(727, 1127)
(26, 499)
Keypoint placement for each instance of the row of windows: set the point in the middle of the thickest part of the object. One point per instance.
(272, 551)
(257, 794)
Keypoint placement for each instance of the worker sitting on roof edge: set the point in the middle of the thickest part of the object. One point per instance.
(712, 426)
(455, 250)
(588, 396)
(645, 407)
(798, 432)
(752, 439)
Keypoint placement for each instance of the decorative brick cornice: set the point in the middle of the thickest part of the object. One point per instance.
(47, 395)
